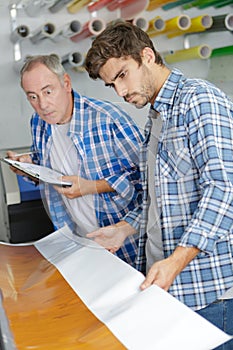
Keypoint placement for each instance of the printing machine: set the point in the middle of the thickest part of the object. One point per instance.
(23, 217)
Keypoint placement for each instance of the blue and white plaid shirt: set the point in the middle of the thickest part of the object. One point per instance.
(194, 186)
(107, 142)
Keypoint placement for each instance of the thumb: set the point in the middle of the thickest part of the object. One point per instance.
(94, 234)
(148, 281)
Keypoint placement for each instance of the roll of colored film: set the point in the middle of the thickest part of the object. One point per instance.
(198, 24)
(98, 5)
(222, 22)
(222, 51)
(154, 4)
(91, 28)
(156, 26)
(76, 5)
(196, 52)
(178, 23)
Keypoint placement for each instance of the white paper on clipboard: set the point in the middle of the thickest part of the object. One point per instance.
(38, 172)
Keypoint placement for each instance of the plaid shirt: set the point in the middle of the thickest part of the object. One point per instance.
(194, 186)
(107, 142)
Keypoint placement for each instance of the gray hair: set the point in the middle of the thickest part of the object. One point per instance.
(52, 62)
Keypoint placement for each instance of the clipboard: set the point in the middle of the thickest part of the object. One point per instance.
(38, 172)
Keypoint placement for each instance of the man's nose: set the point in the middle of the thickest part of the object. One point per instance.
(43, 102)
(121, 90)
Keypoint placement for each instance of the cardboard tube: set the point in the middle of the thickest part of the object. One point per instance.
(45, 31)
(76, 5)
(196, 52)
(198, 24)
(73, 59)
(69, 30)
(91, 28)
(19, 33)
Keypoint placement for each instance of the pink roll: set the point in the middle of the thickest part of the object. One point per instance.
(98, 5)
(91, 28)
(124, 3)
(113, 5)
(119, 4)
(132, 9)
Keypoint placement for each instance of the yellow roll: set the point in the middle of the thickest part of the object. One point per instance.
(156, 25)
(76, 5)
(181, 22)
(198, 24)
(196, 52)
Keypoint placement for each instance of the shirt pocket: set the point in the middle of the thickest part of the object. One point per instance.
(174, 159)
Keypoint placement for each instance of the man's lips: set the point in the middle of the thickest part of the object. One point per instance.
(48, 115)
(129, 99)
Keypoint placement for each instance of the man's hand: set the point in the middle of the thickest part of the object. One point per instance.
(112, 237)
(81, 187)
(24, 159)
(163, 272)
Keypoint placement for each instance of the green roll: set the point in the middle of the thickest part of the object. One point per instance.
(222, 51)
(174, 4)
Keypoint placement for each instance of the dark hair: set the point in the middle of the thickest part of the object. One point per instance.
(119, 39)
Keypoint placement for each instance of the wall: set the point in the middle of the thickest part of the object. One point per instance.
(15, 110)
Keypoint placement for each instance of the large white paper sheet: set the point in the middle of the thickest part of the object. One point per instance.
(150, 319)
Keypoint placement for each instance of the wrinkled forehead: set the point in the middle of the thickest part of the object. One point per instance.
(38, 77)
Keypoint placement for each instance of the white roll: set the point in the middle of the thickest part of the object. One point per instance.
(35, 7)
(43, 32)
(19, 33)
(72, 59)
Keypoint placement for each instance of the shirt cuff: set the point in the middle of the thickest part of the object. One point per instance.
(201, 239)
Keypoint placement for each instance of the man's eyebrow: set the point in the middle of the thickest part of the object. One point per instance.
(114, 78)
(30, 92)
(43, 88)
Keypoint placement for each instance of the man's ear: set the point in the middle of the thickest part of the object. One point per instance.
(67, 82)
(148, 55)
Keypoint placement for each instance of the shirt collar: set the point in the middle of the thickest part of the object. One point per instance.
(169, 90)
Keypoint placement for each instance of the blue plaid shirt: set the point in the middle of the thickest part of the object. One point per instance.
(107, 142)
(194, 186)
